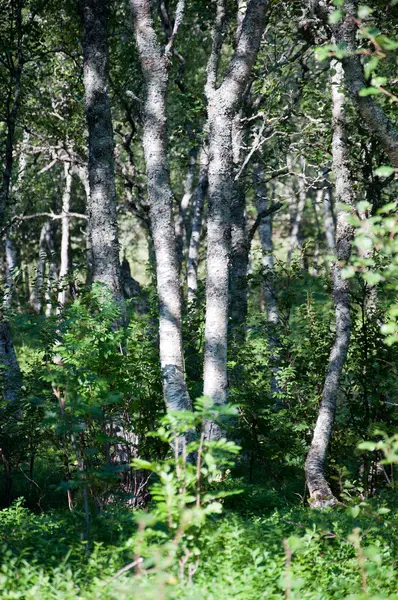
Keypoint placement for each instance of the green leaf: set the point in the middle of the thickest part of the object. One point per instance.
(335, 17)
(364, 11)
(379, 81)
(371, 66)
(355, 510)
(372, 278)
(370, 446)
(384, 510)
(363, 242)
(384, 171)
(295, 542)
(386, 42)
(347, 272)
(369, 91)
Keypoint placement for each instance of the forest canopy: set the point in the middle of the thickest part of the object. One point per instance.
(198, 299)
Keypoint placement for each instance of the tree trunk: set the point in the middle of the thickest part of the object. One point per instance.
(196, 229)
(160, 197)
(330, 229)
(239, 244)
(9, 372)
(12, 110)
(101, 206)
(12, 263)
(268, 264)
(46, 251)
(374, 118)
(181, 224)
(64, 264)
(320, 492)
(267, 246)
(297, 216)
(223, 106)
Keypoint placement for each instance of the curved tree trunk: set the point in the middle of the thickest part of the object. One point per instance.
(319, 489)
(101, 206)
(155, 69)
(374, 118)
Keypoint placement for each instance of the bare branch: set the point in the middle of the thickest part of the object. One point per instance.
(214, 58)
(177, 22)
(262, 215)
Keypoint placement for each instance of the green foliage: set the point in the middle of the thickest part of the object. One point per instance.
(335, 555)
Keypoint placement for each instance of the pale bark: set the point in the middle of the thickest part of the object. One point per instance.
(101, 206)
(46, 249)
(154, 66)
(181, 223)
(299, 199)
(223, 105)
(12, 263)
(318, 242)
(330, 230)
(239, 261)
(320, 492)
(64, 263)
(196, 230)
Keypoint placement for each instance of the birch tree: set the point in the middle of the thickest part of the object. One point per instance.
(320, 491)
(101, 205)
(223, 102)
(196, 229)
(154, 65)
(64, 262)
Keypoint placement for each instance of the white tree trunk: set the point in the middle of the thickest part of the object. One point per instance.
(64, 263)
(300, 199)
(196, 230)
(181, 223)
(154, 65)
(320, 492)
(45, 245)
(223, 106)
(330, 230)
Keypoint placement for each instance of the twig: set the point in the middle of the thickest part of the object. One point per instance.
(261, 215)
(177, 22)
(123, 570)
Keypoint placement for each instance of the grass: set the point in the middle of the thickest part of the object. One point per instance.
(254, 550)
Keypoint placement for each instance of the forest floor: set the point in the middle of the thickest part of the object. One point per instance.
(258, 548)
